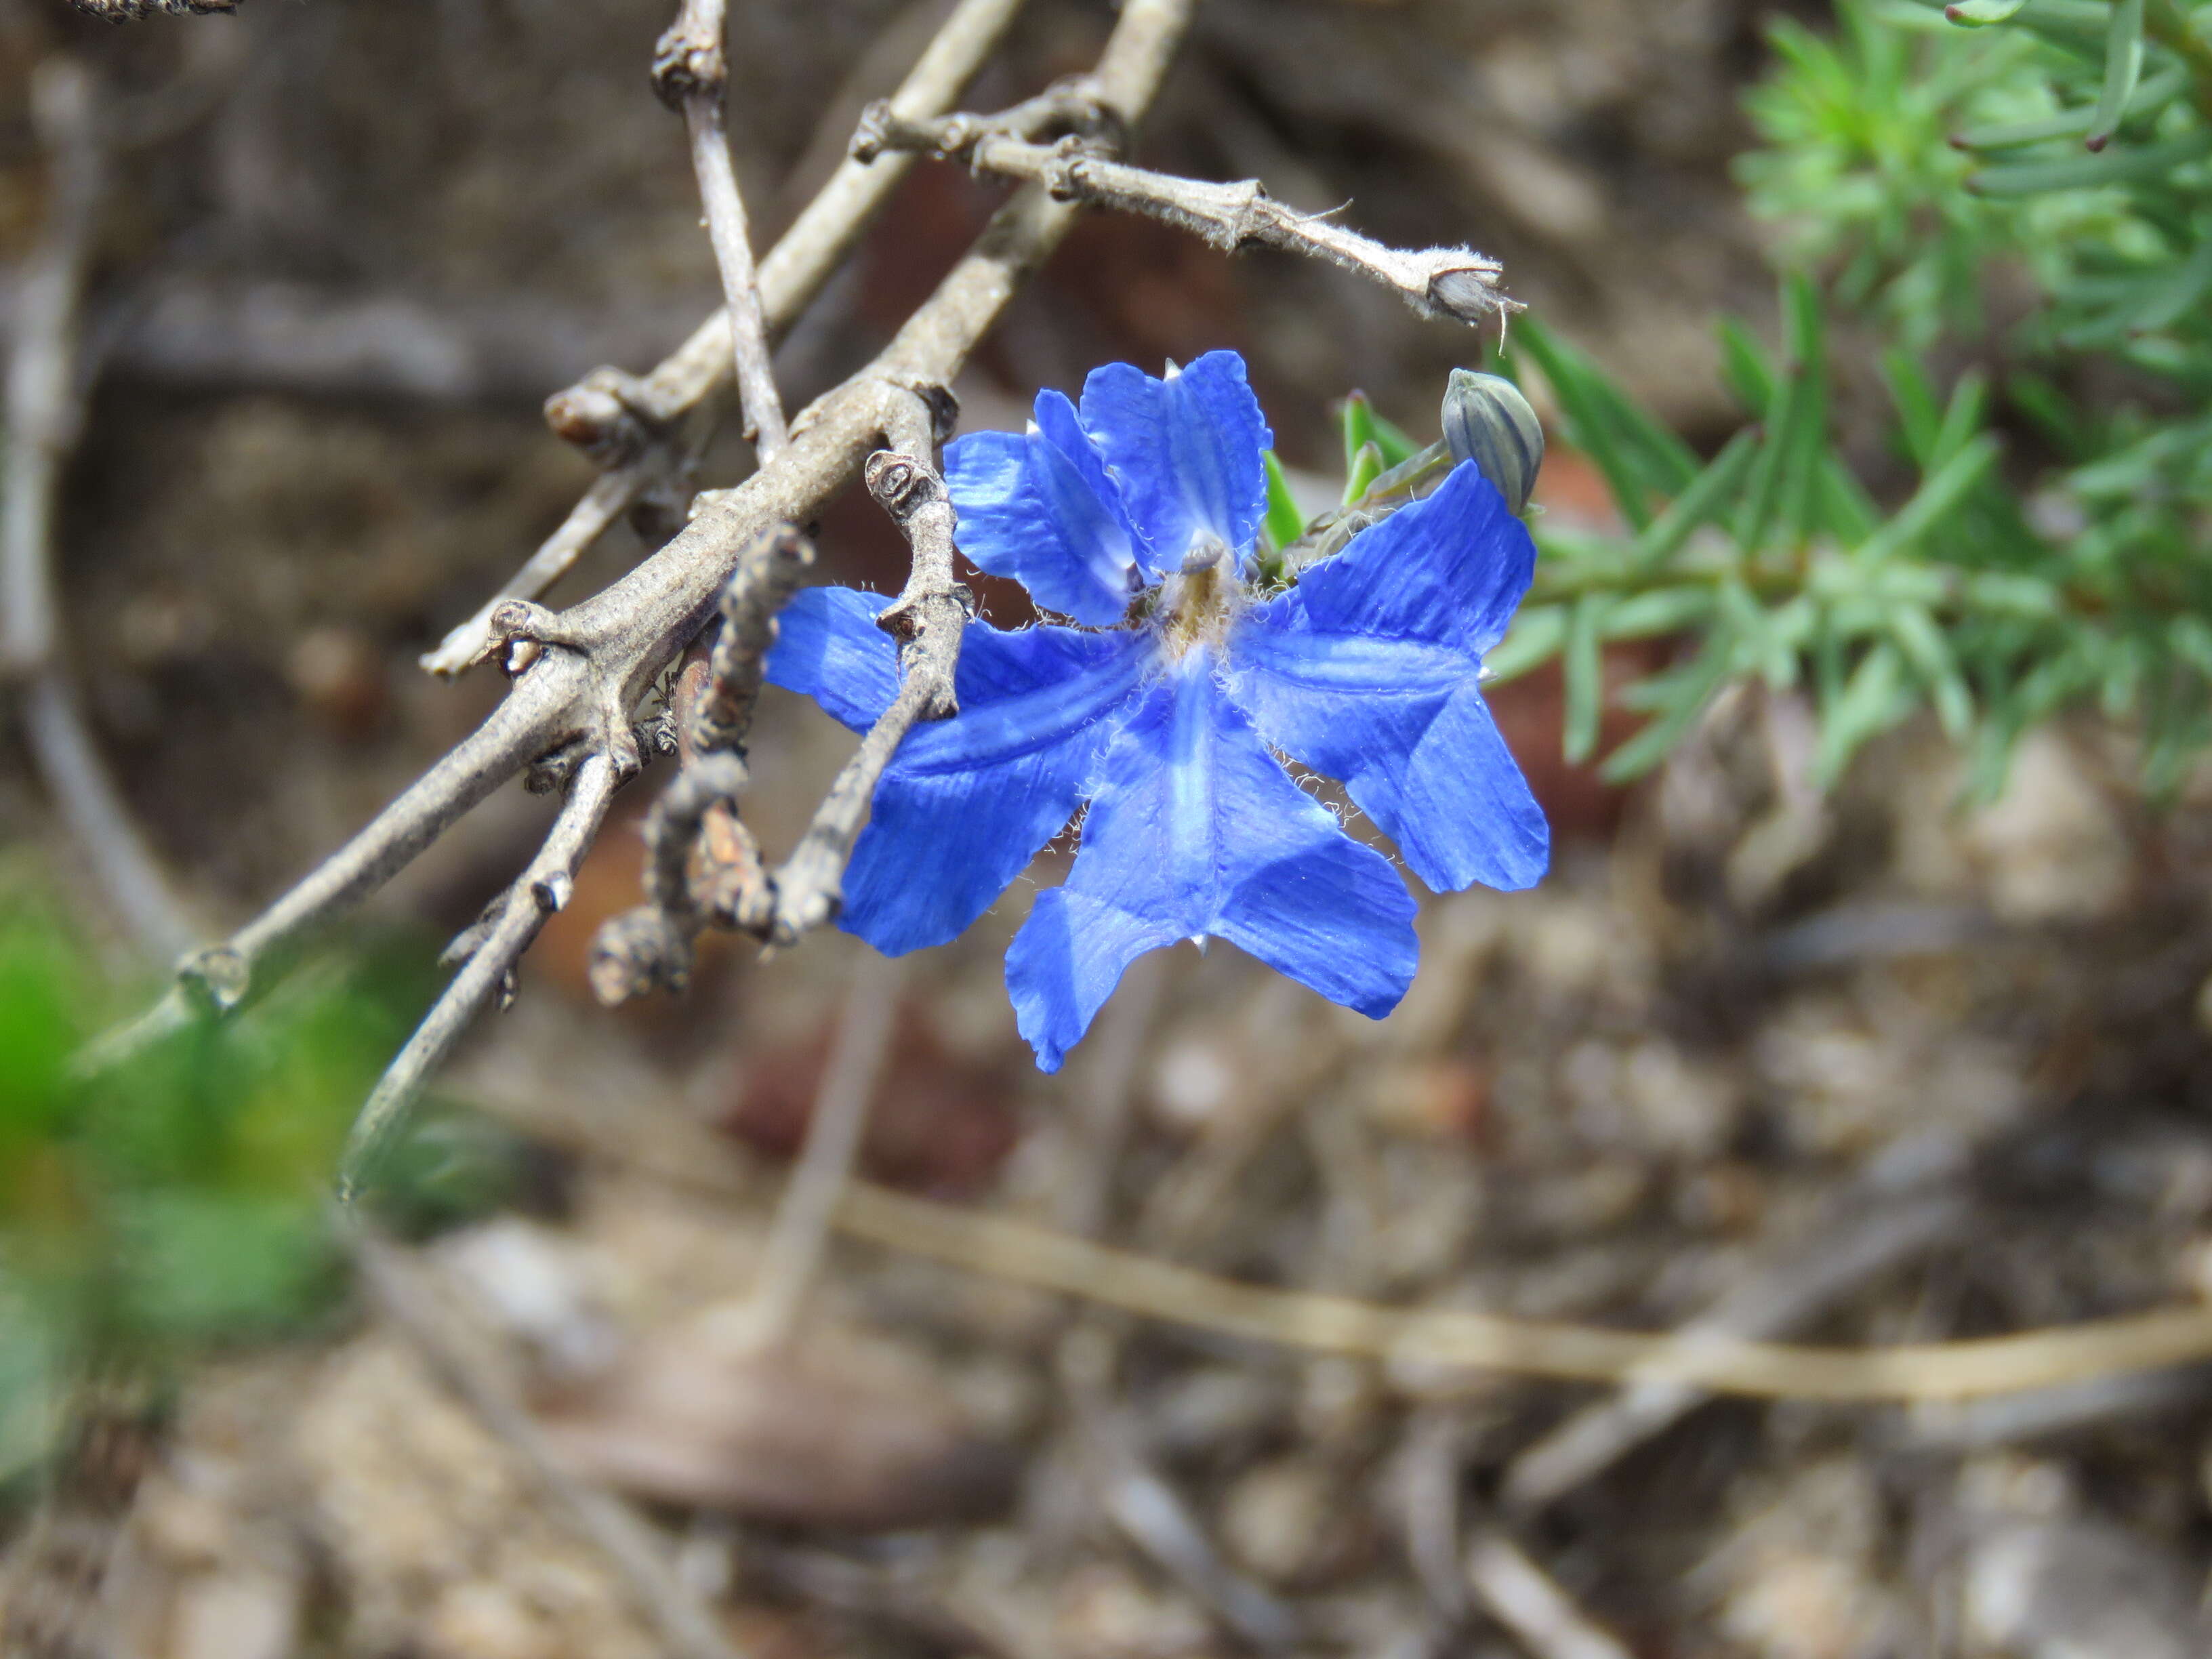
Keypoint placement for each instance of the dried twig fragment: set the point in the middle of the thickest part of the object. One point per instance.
(691, 73)
(927, 619)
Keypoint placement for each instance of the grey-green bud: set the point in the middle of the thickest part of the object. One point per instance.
(1488, 422)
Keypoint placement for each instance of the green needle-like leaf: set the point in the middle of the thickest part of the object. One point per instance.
(1365, 467)
(1979, 14)
(1707, 496)
(1358, 416)
(1285, 523)
(1585, 676)
(2123, 60)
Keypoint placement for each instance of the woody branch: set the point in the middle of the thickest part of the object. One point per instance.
(1080, 165)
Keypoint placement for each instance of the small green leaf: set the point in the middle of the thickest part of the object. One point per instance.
(1584, 667)
(1745, 366)
(1962, 417)
(1707, 495)
(1366, 468)
(1939, 493)
(1357, 415)
(1930, 656)
(2123, 60)
(2112, 166)
(1397, 448)
(1536, 633)
(1285, 523)
(1919, 416)
(1869, 704)
(1679, 696)
(1638, 457)
(1979, 14)
(1661, 611)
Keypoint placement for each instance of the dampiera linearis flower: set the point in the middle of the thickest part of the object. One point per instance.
(1163, 708)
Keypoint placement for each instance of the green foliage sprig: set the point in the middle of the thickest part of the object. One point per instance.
(2050, 551)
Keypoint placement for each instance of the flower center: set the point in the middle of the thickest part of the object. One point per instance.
(1197, 606)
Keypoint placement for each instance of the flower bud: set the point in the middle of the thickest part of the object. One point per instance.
(1488, 422)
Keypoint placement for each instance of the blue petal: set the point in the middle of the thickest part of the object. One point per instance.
(966, 803)
(1039, 507)
(1186, 451)
(827, 647)
(1195, 831)
(1370, 670)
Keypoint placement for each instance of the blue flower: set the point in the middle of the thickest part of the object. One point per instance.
(1136, 515)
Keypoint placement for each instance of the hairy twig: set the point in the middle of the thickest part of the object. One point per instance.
(418, 1307)
(1438, 281)
(927, 619)
(662, 403)
(578, 673)
(691, 72)
(45, 414)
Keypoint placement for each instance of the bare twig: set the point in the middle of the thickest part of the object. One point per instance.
(1529, 1601)
(45, 414)
(419, 1309)
(701, 863)
(691, 377)
(690, 72)
(543, 889)
(807, 1214)
(131, 11)
(927, 619)
(578, 672)
(766, 577)
(1438, 281)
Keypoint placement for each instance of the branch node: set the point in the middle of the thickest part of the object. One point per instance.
(608, 415)
(688, 61)
(219, 976)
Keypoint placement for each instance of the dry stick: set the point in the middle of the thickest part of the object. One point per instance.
(805, 1214)
(790, 277)
(928, 619)
(690, 71)
(688, 1155)
(651, 945)
(1529, 1601)
(579, 672)
(45, 414)
(543, 889)
(418, 1307)
(1438, 1340)
(1438, 281)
